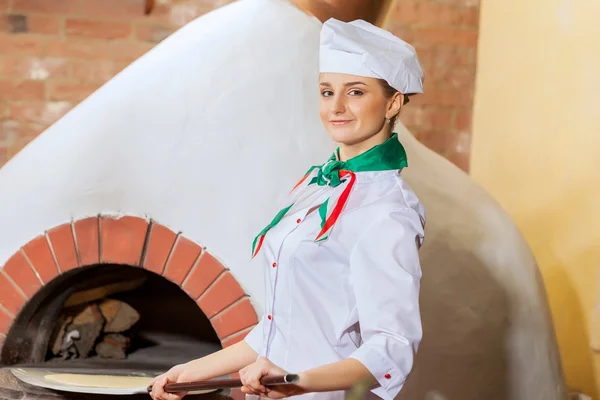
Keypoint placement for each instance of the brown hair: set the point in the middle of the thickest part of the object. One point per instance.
(389, 92)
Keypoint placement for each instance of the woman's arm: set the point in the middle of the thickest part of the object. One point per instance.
(222, 362)
(341, 375)
(226, 361)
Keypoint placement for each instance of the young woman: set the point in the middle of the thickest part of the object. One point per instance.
(343, 270)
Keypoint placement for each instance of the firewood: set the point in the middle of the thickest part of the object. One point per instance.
(99, 292)
(89, 323)
(57, 337)
(119, 315)
(113, 345)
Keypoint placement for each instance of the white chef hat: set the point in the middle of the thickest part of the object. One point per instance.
(360, 48)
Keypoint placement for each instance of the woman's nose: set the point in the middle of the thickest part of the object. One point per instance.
(338, 106)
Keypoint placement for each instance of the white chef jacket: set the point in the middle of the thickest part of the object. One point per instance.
(353, 295)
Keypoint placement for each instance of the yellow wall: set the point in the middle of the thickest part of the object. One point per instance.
(536, 148)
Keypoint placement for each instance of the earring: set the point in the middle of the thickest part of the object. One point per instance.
(387, 121)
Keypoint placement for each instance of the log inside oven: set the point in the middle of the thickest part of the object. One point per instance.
(171, 328)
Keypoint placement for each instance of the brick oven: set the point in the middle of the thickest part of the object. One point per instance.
(189, 303)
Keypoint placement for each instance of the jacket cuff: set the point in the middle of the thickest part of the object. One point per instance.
(385, 371)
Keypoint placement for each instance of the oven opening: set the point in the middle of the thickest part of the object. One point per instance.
(109, 318)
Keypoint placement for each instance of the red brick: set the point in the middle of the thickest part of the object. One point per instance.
(439, 141)
(129, 51)
(454, 37)
(13, 131)
(460, 3)
(74, 92)
(22, 129)
(468, 17)
(19, 144)
(18, 44)
(436, 14)
(95, 71)
(21, 90)
(443, 98)
(461, 160)
(404, 32)
(19, 270)
(423, 13)
(34, 68)
(97, 29)
(44, 25)
(236, 337)
(45, 113)
(160, 242)
(221, 294)
(234, 319)
(10, 298)
(42, 260)
(445, 56)
(46, 6)
(404, 12)
(182, 259)
(463, 120)
(114, 9)
(181, 14)
(122, 239)
(86, 232)
(153, 33)
(3, 155)
(457, 78)
(78, 48)
(13, 23)
(63, 244)
(8, 132)
(427, 117)
(162, 13)
(206, 270)
(4, 4)
(5, 321)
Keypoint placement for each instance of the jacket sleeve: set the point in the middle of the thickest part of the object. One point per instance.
(385, 274)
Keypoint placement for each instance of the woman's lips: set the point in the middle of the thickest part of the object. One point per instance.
(340, 121)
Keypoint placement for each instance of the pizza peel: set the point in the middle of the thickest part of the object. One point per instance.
(129, 384)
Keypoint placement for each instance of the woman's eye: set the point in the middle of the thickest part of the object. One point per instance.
(326, 93)
(355, 92)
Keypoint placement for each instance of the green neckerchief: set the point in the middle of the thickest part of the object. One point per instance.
(389, 155)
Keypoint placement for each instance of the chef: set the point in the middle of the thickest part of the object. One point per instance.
(341, 257)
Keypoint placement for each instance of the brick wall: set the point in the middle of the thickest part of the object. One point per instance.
(444, 33)
(54, 53)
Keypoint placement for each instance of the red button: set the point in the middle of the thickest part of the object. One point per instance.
(274, 264)
(298, 220)
(269, 316)
(387, 376)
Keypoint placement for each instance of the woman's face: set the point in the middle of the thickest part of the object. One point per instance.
(354, 108)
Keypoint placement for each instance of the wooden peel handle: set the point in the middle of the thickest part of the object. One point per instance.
(226, 383)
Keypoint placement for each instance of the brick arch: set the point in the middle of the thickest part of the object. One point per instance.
(130, 241)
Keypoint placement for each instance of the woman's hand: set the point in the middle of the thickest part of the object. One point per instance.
(171, 376)
(252, 374)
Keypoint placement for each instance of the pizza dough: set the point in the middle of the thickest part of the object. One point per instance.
(108, 381)
(100, 381)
